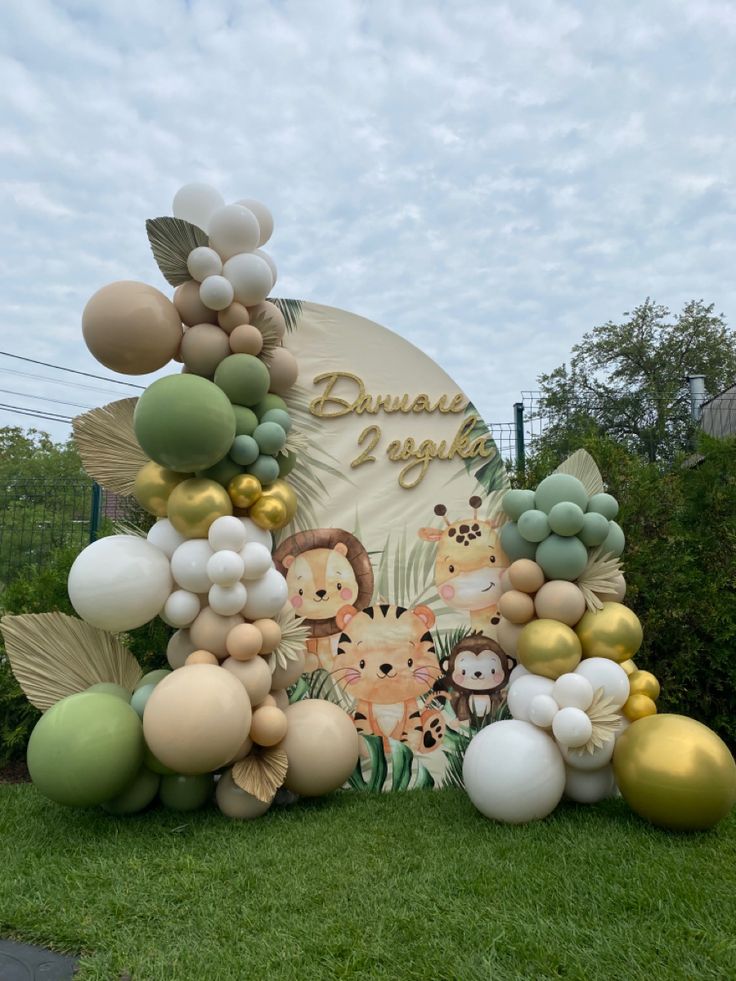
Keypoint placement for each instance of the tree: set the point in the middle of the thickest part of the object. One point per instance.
(627, 381)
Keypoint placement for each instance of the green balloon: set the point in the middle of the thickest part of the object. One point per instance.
(566, 518)
(615, 541)
(265, 468)
(594, 530)
(516, 502)
(243, 378)
(560, 487)
(244, 450)
(140, 697)
(223, 471)
(562, 558)
(86, 749)
(269, 402)
(533, 526)
(270, 437)
(155, 764)
(137, 795)
(110, 688)
(286, 463)
(280, 416)
(152, 677)
(184, 793)
(245, 420)
(605, 504)
(184, 423)
(514, 545)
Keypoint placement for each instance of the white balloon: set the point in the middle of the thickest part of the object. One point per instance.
(572, 727)
(250, 277)
(119, 583)
(164, 536)
(189, 565)
(196, 203)
(589, 786)
(254, 533)
(216, 292)
(264, 216)
(227, 532)
(513, 772)
(256, 559)
(542, 710)
(581, 759)
(225, 568)
(266, 596)
(523, 690)
(270, 263)
(233, 229)
(573, 691)
(518, 672)
(606, 674)
(181, 608)
(203, 262)
(179, 648)
(226, 601)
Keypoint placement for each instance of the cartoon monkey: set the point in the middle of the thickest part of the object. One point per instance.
(476, 673)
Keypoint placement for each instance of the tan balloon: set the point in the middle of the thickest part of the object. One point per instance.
(210, 630)
(196, 718)
(131, 328)
(267, 315)
(244, 642)
(619, 584)
(285, 677)
(203, 347)
(525, 575)
(281, 699)
(153, 486)
(254, 675)
(508, 635)
(201, 657)
(268, 726)
(191, 309)
(237, 803)
(179, 648)
(243, 750)
(233, 316)
(268, 700)
(271, 633)
(284, 371)
(560, 600)
(195, 503)
(516, 606)
(322, 745)
(246, 339)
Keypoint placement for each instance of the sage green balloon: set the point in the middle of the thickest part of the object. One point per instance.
(605, 504)
(110, 688)
(280, 416)
(270, 437)
(266, 468)
(244, 450)
(152, 677)
(533, 526)
(243, 378)
(560, 487)
(184, 423)
(514, 545)
(140, 698)
(222, 472)
(86, 749)
(562, 558)
(269, 402)
(594, 530)
(566, 518)
(286, 463)
(137, 795)
(516, 502)
(245, 420)
(185, 793)
(615, 541)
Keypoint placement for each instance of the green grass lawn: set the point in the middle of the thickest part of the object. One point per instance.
(404, 886)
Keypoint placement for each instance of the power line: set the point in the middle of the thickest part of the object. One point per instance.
(35, 413)
(73, 371)
(57, 381)
(44, 398)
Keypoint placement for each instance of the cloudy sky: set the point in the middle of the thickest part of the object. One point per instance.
(490, 180)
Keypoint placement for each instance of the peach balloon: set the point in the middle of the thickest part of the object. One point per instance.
(268, 726)
(191, 309)
(322, 746)
(244, 641)
(560, 600)
(243, 750)
(201, 657)
(284, 677)
(210, 630)
(196, 718)
(254, 675)
(283, 369)
(525, 575)
(267, 314)
(271, 633)
(203, 347)
(246, 339)
(516, 606)
(233, 316)
(234, 802)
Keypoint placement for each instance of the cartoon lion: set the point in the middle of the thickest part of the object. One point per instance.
(385, 661)
(325, 569)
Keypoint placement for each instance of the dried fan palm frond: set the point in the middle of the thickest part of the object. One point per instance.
(271, 339)
(172, 239)
(606, 721)
(295, 443)
(599, 576)
(128, 528)
(290, 309)
(582, 465)
(293, 640)
(105, 440)
(53, 655)
(262, 772)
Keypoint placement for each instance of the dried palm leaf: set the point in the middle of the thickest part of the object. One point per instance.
(271, 338)
(172, 239)
(262, 772)
(105, 440)
(606, 719)
(295, 443)
(290, 309)
(599, 576)
(582, 465)
(53, 655)
(293, 640)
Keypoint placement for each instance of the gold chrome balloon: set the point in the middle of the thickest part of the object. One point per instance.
(153, 485)
(195, 504)
(548, 647)
(675, 772)
(244, 489)
(613, 632)
(279, 490)
(644, 683)
(628, 666)
(638, 706)
(269, 513)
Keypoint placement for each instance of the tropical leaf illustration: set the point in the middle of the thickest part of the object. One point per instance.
(291, 310)
(172, 239)
(105, 440)
(458, 741)
(370, 774)
(488, 471)
(321, 684)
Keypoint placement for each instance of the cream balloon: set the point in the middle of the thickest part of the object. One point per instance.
(254, 674)
(589, 786)
(270, 263)
(189, 565)
(164, 536)
(234, 802)
(266, 596)
(226, 601)
(225, 568)
(250, 277)
(179, 648)
(322, 746)
(203, 262)
(573, 691)
(233, 229)
(603, 673)
(196, 203)
(582, 759)
(542, 710)
(524, 689)
(216, 293)
(263, 216)
(571, 727)
(227, 533)
(181, 608)
(256, 560)
(254, 533)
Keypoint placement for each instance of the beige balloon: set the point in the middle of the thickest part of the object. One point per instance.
(525, 575)
(237, 803)
(254, 675)
(284, 370)
(508, 635)
(244, 642)
(322, 746)
(131, 328)
(281, 699)
(284, 677)
(619, 584)
(203, 347)
(268, 725)
(271, 633)
(179, 648)
(209, 631)
(246, 339)
(191, 309)
(233, 316)
(268, 314)
(516, 606)
(201, 657)
(560, 600)
(245, 747)
(197, 718)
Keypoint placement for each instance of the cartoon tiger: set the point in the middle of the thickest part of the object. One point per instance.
(386, 661)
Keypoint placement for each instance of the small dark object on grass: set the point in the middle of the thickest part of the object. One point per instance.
(24, 962)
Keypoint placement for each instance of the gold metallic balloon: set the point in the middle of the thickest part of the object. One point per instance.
(269, 513)
(613, 632)
(644, 683)
(675, 772)
(244, 489)
(153, 485)
(548, 647)
(195, 504)
(628, 666)
(279, 490)
(638, 706)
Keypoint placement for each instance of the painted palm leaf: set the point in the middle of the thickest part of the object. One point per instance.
(172, 239)
(490, 472)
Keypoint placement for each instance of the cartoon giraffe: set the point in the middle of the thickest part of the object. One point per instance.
(468, 566)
